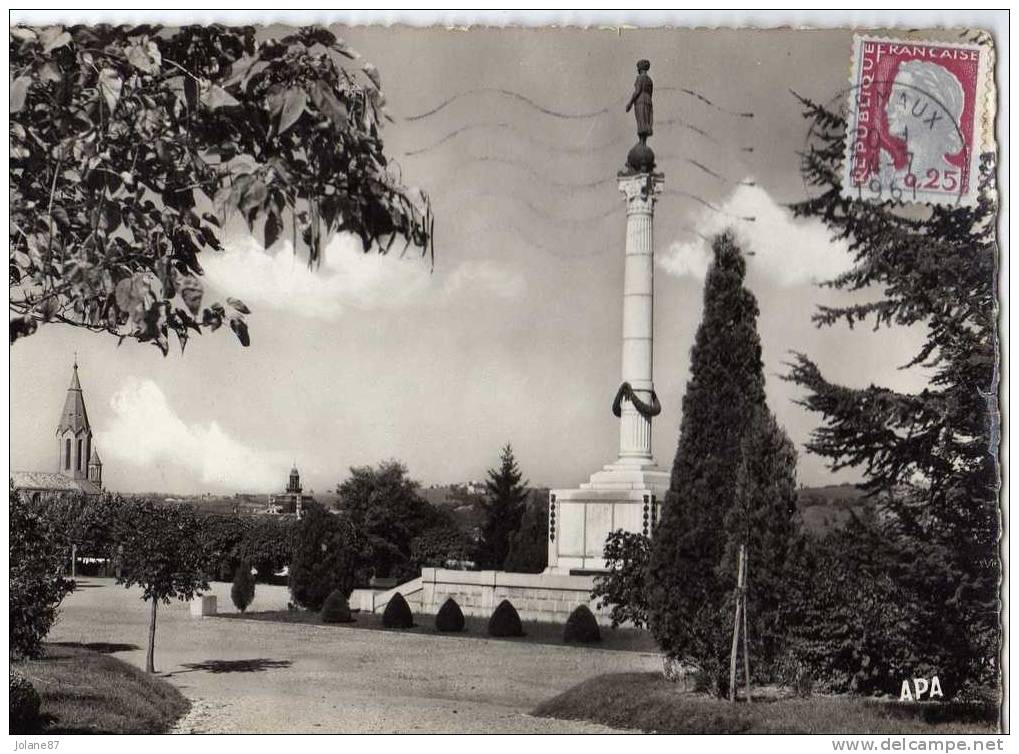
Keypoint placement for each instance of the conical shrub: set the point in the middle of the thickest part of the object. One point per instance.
(450, 617)
(581, 626)
(505, 621)
(397, 613)
(336, 609)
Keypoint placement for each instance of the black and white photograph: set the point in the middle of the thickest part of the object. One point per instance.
(449, 374)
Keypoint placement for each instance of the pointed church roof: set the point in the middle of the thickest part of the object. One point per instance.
(94, 458)
(74, 417)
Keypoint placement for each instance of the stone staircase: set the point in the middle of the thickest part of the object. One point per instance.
(371, 601)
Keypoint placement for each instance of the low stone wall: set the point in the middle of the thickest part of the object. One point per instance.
(536, 596)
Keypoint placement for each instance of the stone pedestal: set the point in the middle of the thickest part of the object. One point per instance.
(625, 494)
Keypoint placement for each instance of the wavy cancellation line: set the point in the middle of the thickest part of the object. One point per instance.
(544, 180)
(516, 130)
(566, 115)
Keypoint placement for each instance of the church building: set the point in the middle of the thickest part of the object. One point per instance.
(78, 469)
(292, 499)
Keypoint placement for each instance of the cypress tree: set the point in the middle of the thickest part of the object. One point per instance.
(689, 584)
(504, 508)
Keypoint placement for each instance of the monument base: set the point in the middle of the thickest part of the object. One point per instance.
(624, 495)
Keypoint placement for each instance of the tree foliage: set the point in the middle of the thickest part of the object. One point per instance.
(691, 617)
(623, 587)
(330, 553)
(437, 546)
(930, 456)
(130, 145)
(384, 505)
(504, 507)
(38, 557)
(528, 545)
(763, 519)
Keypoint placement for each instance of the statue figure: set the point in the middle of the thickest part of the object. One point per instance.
(641, 102)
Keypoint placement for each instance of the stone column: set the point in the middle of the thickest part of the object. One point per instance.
(638, 315)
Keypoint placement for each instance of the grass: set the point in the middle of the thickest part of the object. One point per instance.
(86, 691)
(620, 639)
(648, 702)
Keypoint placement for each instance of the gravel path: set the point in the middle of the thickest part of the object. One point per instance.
(261, 677)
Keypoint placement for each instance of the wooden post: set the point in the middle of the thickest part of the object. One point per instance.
(74, 560)
(735, 627)
(746, 634)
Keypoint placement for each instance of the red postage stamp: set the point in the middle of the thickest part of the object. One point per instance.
(918, 118)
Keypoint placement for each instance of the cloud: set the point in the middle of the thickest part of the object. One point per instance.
(349, 279)
(145, 431)
(786, 250)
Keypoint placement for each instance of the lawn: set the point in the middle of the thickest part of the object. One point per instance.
(85, 690)
(647, 702)
(620, 639)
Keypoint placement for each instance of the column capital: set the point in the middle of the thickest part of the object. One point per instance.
(640, 190)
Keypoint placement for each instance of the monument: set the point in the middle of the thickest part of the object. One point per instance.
(624, 494)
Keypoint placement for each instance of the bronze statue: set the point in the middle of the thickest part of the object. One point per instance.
(641, 102)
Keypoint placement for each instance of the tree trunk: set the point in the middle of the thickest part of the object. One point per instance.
(149, 657)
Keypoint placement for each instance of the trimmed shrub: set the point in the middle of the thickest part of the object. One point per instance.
(243, 590)
(336, 609)
(24, 702)
(450, 617)
(581, 626)
(397, 613)
(505, 621)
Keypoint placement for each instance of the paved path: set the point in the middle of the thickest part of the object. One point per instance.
(262, 677)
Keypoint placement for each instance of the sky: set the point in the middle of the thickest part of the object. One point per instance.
(514, 336)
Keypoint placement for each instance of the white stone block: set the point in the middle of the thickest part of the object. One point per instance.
(203, 605)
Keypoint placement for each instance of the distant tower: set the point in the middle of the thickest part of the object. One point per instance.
(294, 485)
(74, 434)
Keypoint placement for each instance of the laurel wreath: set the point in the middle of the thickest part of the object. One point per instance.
(644, 409)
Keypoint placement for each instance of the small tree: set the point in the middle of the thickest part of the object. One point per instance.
(161, 554)
(504, 508)
(329, 554)
(528, 547)
(623, 587)
(37, 558)
(242, 592)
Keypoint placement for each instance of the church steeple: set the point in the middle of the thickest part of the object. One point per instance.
(74, 433)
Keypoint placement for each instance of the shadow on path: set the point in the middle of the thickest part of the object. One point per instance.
(234, 666)
(102, 647)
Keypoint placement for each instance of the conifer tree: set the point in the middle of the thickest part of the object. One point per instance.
(689, 584)
(504, 508)
(763, 519)
(930, 454)
(528, 546)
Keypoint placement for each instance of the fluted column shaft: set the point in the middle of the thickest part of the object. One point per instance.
(638, 315)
